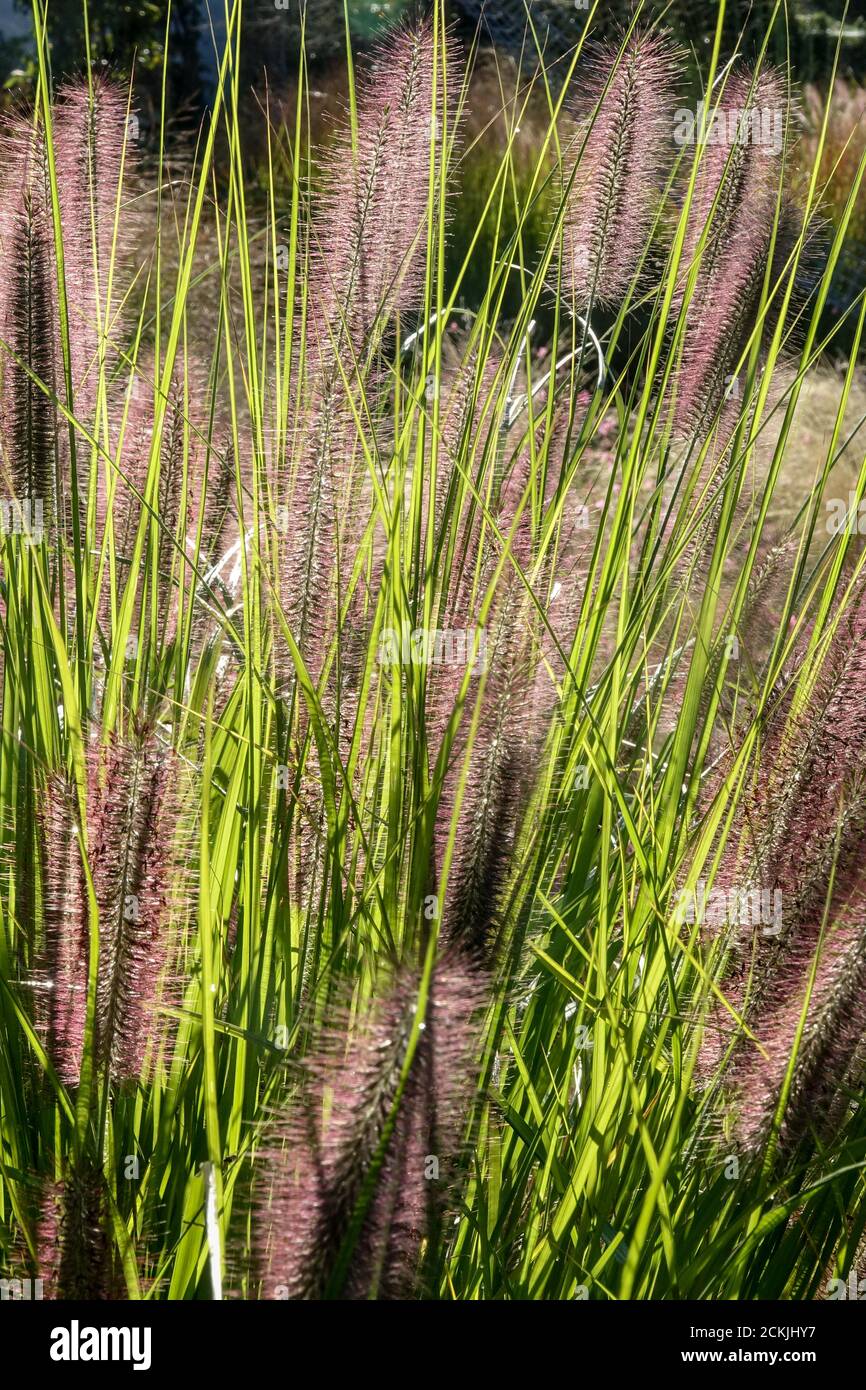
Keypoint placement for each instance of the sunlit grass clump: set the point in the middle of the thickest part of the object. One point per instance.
(432, 815)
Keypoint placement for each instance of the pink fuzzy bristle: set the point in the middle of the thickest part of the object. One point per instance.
(832, 1004)
(86, 141)
(622, 148)
(413, 1198)
(132, 814)
(733, 211)
(133, 811)
(90, 147)
(61, 997)
(28, 433)
(369, 240)
(327, 1143)
(73, 1253)
(797, 831)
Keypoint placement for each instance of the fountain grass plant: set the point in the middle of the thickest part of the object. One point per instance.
(372, 703)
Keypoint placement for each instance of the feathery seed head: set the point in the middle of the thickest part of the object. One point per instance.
(73, 1254)
(801, 828)
(32, 367)
(733, 232)
(369, 239)
(622, 147)
(362, 1173)
(132, 818)
(90, 150)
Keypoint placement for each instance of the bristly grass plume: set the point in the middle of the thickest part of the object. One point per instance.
(621, 157)
(425, 613)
